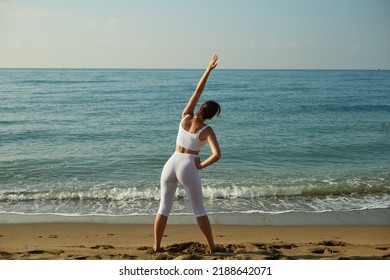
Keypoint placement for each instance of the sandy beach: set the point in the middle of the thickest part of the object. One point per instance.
(92, 241)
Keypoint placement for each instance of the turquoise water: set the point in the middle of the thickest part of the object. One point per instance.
(83, 142)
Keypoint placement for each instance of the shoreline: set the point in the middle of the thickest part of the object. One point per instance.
(361, 217)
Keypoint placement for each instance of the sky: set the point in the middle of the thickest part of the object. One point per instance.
(246, 34)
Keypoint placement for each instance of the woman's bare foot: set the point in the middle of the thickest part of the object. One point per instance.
(157, 250)
(215, 249)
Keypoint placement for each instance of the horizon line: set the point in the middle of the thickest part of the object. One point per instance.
(191, 69)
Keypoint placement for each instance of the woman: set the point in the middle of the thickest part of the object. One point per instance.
(183, 166)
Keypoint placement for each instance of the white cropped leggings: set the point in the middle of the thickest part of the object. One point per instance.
(181, 168)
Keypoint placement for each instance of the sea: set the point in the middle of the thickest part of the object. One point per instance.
(81, 142)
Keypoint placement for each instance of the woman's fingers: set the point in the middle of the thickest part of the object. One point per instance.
(213, 62)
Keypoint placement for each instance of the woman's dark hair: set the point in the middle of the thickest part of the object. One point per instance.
(209, 109)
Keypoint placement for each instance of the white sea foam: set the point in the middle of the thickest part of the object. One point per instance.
(222, 198)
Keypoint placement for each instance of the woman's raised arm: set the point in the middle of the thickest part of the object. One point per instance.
(190, 108)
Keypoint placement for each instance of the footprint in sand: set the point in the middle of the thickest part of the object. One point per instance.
(188, 257)
(332, 243)
(382, 248)
(105, 247)
(324, 251)
(36, 252)
(271, 251)
(160, 256)
(5, 255)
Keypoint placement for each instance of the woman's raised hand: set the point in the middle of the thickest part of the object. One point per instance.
(213, 62)
(189, 109)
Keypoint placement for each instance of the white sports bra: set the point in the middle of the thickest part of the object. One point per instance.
(189, 140)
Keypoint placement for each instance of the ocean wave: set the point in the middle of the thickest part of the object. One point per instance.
(99, 194)
(182, 206)
(245, 197)
(212, 189)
